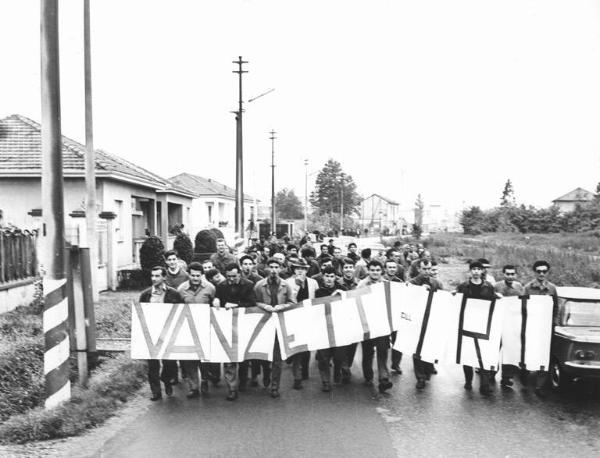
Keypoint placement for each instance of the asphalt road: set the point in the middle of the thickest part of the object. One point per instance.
(355, 421)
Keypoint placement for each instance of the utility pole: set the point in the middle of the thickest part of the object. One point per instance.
(306, 196)
(342, 205)
(239, 153)
(273, 222)
(52, 240)
(90, 159)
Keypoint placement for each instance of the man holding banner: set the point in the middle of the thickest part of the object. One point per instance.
(234, 292)
(160, 293)
(273, 295)
(197, 290)
(382, 344)
(477, 288)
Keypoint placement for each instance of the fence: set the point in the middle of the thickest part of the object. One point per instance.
(18, 257)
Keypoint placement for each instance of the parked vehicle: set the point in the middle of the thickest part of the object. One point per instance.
(575, 349)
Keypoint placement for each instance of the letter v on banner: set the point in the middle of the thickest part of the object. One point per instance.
(231, 350)
(154, 348)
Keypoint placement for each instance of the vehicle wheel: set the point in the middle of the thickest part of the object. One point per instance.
(560, 380)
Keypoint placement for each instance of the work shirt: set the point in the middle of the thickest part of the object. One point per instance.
(158, 294)
(513, 289)
(348, 284)
(203, 293)
(424, 279)
(328, 291)
(252, 276)
(174, 280)
(484, 290)
(272, 292)
(220, 261)
(241, 293)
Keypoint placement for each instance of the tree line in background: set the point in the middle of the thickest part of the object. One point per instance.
(510, 217)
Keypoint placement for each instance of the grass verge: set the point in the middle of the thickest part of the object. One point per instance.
(113, 313)
(110, 387)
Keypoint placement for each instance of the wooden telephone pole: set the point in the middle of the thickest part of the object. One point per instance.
(239, 153)
(273, 213)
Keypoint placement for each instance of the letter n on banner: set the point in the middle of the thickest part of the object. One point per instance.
(256, 332)
(481, 321)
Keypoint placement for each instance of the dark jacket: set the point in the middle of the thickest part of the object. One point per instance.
(241, 293)
(171, 296)
(483, 291)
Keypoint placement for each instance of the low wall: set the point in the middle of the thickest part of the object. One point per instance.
(13, 294)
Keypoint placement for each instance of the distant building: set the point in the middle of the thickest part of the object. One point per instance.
(569, 201)
(214, 205)
(380, 214)
(437, 218)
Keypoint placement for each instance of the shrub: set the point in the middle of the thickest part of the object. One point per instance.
(183, 246)
(217, 232)
(21, 375)
(112, 384)
(152, 253)
(206, 242)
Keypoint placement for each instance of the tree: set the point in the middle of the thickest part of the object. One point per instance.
(472, 219)
(288, 205)
(417, 231)
(330, 185)
(151, 254)
(508, 195)
(184, 247)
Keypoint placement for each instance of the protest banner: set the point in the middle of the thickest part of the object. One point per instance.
(433, 326)
(527, 331)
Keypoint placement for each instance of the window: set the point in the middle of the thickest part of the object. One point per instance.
(119, 220)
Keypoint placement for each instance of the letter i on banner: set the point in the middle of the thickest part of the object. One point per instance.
(56, 356)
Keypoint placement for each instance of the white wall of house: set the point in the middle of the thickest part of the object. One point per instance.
(215, 211)
(374, 210)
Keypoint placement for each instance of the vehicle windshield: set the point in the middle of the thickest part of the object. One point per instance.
(582, 313)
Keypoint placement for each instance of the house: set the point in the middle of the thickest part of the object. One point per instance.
(214, 205)
(438, 218)
(570, 200)
(134, 201)
(380, 214)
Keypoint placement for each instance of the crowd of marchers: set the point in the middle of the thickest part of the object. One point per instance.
(276, 275)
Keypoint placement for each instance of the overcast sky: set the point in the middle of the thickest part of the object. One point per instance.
(444, 98)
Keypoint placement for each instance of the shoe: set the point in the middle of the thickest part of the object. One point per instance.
(326, 387)
(168, 389)
(274, 393)
(156, 397)
(204, 386)
(232, 396)
(506, 383)
(297, 385)
(346, 376)
(541, 392)
(420, 384)
(384, 385)
(193, 394)
(396, 369)
(368, 383)
(253, 383)
(485, 390)
(468, 386)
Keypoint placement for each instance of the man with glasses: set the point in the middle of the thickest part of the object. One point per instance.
(540, 286)
(508, 287)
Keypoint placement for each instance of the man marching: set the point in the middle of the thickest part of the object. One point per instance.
(273, 295)
(160, 293)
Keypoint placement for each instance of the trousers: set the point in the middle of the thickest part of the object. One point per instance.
(156, 375)
(381, 344)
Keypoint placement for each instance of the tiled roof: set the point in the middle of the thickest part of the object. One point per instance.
(389, 201)
(577, 195)
(21, 153)
(205, 186)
